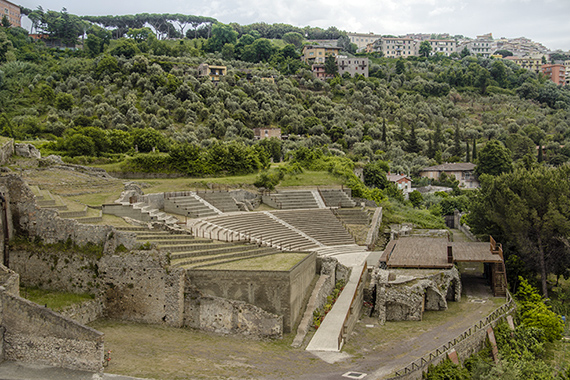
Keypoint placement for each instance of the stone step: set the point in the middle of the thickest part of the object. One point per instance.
(221, 259)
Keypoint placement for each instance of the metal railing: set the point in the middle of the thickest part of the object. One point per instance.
(421, 363)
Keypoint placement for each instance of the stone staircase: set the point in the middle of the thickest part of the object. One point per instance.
(321, 225)
(337, 198)
(45, 199)
(353, 216)
(222, 200)
(289, 200)
(191, 206)
(139, 211)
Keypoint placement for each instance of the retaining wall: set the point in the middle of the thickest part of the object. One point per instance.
(278, 292)
(35, 334)
(6, 151)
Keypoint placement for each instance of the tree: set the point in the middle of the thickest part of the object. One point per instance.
(425, 48)
(294, 38)
(413, 144)
(504, 53)
(465, 52)
(494, 159)
(221, 34)
(330, 65)
(528, 211)
(375, 174)
(6, 47)
(416, 198)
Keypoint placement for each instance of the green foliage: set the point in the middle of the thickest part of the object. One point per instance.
(533, 312)
(416, 198)
(375, 174)
(527, 211)
(494, 159)
(446, 370)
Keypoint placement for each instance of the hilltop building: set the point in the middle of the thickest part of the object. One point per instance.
(353, 66)
(532, 64)
(483, 45)
(362, 40)
(445, 47)
(317, 53)
(11, 11)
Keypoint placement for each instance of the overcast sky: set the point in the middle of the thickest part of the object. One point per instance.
(545, 21)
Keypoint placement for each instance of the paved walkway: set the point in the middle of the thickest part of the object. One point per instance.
(29, 371)
(326, 338)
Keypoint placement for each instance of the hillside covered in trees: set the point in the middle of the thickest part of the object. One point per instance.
(131, 95)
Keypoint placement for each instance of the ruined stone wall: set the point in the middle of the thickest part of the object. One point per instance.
(225, 316)
(272, 291)
(6, 151)
(31, 221)
(33, 333)
(300, 278)
(141, 287)
(403, 295)
(136, 285)
(85, 312)
(9, 280)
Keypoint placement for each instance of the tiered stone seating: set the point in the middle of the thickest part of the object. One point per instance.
(336, 198)
(45, 199)
(188, 206)
(321, 225)
(222, 200)
(189, 252)
(255, 227)
(353, 216)
(288, 200)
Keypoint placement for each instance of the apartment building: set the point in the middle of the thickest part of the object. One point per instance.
(445, 47)
(12, 11)
(317, 53)
(529, 63)
(395, 47)
(522, 47)
(483, 45)
(363, 39)
(353, 66)
(556, 73)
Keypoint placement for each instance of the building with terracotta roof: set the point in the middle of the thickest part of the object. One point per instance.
(464, 172)
(403, 182)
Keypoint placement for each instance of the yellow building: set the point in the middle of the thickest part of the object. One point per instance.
(10, 10)
(214, 72)
(533, 64)
(317, 53)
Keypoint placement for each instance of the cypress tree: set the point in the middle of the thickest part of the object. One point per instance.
(413, 145)
(467, 157)
(540, 157)
(474, 154)
(384, 137)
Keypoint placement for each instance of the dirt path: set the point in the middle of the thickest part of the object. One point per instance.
(169, 353)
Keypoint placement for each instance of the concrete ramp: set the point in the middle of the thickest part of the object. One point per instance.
(341, 319)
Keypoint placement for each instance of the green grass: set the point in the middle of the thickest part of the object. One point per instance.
(310, 178)
(277, 262)
(396, 213)
(54, 300)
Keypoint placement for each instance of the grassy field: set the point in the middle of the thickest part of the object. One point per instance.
(276, 262)
(54, 300)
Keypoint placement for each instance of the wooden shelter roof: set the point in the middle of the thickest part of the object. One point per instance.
(474, 252)
(424, 252)
(418, 252)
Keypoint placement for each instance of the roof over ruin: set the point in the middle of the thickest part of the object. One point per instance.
(426, 252)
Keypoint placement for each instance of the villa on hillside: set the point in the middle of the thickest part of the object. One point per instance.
(403, 182)
(317, 53)
(214, 72)
(463, 172)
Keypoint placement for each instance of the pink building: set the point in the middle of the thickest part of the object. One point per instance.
(556, 73)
